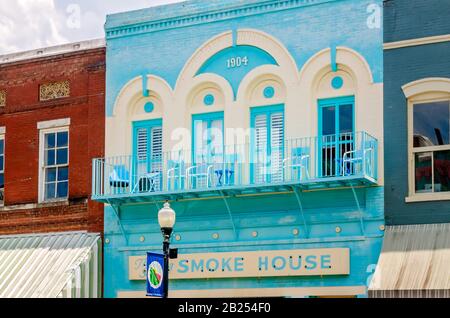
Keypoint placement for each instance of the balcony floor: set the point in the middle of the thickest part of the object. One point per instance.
(241, 190)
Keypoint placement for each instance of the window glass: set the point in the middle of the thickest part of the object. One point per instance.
(328, 121)
(345, 119)
(423, 172)
(442, 171)
(63, 139)
(56, 160)
(2, 169)
(431, 124)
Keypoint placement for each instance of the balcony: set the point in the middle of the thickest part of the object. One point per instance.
(334, 161)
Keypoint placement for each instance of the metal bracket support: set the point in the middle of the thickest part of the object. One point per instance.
(116, 210)
(361, 217)
(229, 213)
(300, 205)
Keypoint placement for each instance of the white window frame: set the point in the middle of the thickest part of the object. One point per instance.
(424, 91)
(2, 137)
(52, 128)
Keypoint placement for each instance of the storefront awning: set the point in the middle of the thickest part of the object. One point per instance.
(414, 262)
(59, 265)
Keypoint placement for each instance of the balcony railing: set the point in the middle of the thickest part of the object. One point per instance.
(307, 162)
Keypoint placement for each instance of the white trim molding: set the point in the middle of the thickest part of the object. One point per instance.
(427, 90)
(41, 174)
(53, 123)
(417, 42)
(2, 130)
(426, 85)
(428, 197)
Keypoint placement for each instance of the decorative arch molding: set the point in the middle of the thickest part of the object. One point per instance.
(202, 54)
(249, 37)
(132, 91)
(348, 60)
(274, 47)
(356, 63)
(262, 73)
(427, 85)
(204, 82)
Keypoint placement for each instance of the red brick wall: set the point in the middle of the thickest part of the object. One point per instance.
(85, 108)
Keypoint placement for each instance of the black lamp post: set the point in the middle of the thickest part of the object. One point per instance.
(166, 219)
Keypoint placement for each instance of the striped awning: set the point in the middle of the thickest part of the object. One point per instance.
(414, 262)
(59, 265)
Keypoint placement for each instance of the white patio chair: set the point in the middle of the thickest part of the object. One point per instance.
(202, 170)
(353, 157)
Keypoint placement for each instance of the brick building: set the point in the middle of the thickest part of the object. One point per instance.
(51, 127)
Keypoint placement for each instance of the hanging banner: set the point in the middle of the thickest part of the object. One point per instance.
(155, 275)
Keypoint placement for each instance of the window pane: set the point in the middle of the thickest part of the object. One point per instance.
(62, 189)
(50, 191)
(61, 157)
(346, 119)
(442, 171)
(50, 141)
(431, 124)
(49, 157)
(2, 146)
(423, 172)
(63, 139)
(2, 167)
(2, 180)
(328, 121)
(63, 174)
(50, 175)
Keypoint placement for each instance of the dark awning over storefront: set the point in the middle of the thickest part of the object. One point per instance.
(415, 262)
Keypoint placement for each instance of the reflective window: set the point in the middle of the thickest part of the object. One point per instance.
(431, 129)
(56, 165)
(2, 169)
(431, 124)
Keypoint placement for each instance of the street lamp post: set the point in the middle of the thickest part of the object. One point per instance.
(166, 219)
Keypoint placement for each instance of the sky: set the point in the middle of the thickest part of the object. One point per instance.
(31, 24)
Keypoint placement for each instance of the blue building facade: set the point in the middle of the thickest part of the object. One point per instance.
(413, 262)
(423, 57)
(261, 122)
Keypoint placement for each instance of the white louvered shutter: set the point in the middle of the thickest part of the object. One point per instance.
(276, 146)
(260, 150)
(142, 150)
(156, 153)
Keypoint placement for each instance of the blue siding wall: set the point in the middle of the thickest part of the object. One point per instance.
(411, 19)
(403, 66)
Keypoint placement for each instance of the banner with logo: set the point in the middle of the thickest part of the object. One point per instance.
(155, 275)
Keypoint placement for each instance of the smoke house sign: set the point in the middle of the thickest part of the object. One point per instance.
(317, 262)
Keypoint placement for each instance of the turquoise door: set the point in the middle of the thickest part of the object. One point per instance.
(336, 134)
(208, 148)
(147, 155)
(267, 145)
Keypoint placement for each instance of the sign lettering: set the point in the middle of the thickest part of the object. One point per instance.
(313, 262)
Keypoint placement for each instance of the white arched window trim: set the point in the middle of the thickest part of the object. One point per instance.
(427, 90)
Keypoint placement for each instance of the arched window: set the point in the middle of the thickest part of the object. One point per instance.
(428, 139)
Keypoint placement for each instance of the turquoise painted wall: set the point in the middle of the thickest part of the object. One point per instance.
(274, 217)
(304, 30)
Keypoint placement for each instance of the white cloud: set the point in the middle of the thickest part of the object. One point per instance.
(31, 24)
(26, 24)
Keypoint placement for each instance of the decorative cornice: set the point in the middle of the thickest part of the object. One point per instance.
(153, 25)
